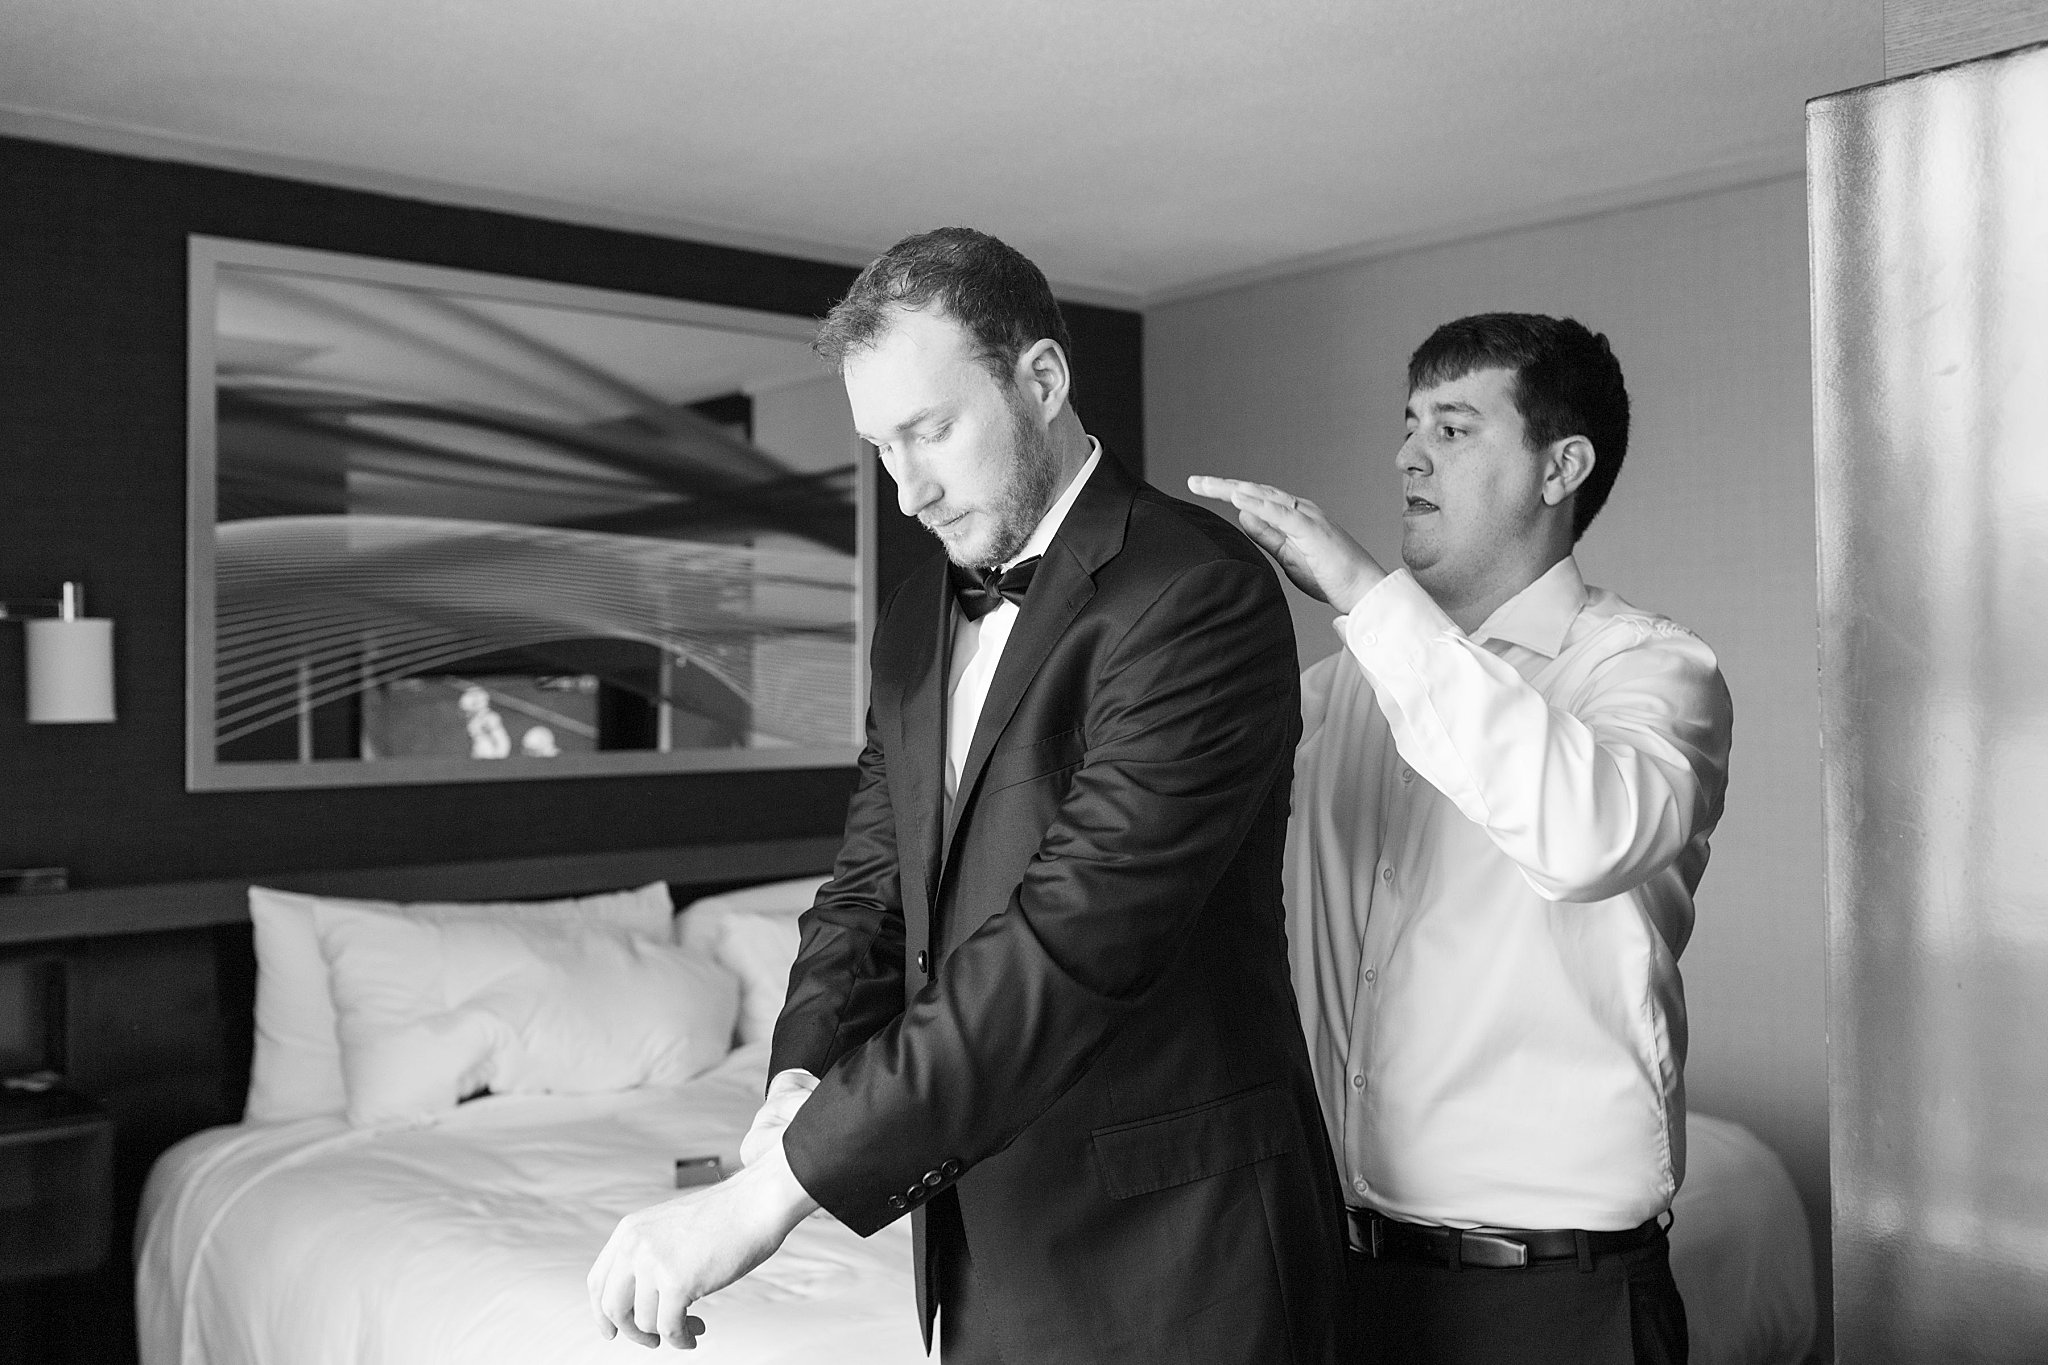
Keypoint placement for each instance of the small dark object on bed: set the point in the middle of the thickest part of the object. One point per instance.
(698, 1170)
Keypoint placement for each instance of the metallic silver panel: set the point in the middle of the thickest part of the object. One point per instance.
(1929, 214)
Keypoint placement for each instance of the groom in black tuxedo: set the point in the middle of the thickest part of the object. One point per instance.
(1043, 1004)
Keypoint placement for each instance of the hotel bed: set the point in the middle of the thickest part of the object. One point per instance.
(465, 1234)
(468, 1240)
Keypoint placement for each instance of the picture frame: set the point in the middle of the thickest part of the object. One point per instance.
(454, 526)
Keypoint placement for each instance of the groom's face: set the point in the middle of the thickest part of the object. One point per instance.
(970, 460)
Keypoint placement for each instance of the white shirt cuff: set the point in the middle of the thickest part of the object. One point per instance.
(1395, 618)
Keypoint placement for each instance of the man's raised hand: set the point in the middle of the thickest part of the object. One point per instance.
(1317, 555)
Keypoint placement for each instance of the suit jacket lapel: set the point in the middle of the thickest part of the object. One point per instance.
(923, 746)
(1090, 536)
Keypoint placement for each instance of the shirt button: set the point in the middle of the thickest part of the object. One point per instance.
(1368, 638)
(1371, 975)
(1407, 774)
(1358, 1082)
(1387, 874)
(1359, 1184)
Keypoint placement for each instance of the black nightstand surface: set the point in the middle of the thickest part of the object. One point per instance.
(56, 1183)
(56, 1107)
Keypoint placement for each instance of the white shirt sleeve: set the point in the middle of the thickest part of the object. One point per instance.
(1589, 798)
(1316, 684)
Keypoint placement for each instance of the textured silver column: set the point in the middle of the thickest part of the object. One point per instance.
(1929, 220)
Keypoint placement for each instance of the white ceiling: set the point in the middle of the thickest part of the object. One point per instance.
(1137, 149)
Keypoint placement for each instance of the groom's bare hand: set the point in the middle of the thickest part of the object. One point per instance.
(663, 1259)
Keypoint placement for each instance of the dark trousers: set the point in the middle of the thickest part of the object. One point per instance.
(1625, 1310)
(967, 1334)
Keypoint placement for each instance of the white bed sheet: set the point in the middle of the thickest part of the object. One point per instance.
(310, 1243)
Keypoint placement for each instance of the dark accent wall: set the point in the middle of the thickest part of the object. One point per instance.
(92, 487)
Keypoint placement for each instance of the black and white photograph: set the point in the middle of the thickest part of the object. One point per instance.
(1113, 682)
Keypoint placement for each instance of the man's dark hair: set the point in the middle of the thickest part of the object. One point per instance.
(986, 285)
(1567, 383)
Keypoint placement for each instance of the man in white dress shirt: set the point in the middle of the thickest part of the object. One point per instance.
(1503, 795)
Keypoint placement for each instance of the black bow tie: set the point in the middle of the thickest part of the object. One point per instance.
(981, 591)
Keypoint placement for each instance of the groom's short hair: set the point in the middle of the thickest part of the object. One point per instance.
(983, 283)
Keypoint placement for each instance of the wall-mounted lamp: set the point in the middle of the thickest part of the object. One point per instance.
(70, 659)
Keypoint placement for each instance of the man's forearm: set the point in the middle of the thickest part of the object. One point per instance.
(781, 1194)
(847, 980)
(1589, 801)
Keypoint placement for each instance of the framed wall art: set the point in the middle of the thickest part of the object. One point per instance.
(448, 526)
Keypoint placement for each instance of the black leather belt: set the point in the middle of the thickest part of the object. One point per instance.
(1376, 1235)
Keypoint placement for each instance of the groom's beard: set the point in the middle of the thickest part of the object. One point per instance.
(1026, 495)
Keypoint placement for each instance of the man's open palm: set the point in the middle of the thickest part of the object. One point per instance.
(1317, 555)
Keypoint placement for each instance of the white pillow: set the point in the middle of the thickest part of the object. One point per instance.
(429, 1011)
(296, 1071)
(753, 934)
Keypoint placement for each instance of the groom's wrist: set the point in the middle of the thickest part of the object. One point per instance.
(782, 1196)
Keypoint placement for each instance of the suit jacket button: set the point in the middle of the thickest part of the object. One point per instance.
(950, 1169)
(921, 959)
(897, 1201)
(933, 1179)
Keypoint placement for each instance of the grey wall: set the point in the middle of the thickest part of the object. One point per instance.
(1301, 383)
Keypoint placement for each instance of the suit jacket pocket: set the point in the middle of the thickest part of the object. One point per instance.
(1194, 1144)
(1008, 767)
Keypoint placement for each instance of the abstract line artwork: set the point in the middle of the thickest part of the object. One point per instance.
(450, 526)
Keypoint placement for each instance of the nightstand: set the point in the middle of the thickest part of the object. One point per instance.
(56, 1183)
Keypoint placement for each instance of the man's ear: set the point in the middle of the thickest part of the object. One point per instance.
(1567, 466)
(1043, 378)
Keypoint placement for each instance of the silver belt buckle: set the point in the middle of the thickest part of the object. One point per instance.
(1500, 1253)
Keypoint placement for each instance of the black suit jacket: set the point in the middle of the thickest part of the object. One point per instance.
(1069, 1003)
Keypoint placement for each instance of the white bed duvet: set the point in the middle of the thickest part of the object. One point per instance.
(307, 1243)
(1740, 1250)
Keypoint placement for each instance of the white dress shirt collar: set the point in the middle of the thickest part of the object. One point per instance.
(1539, 615)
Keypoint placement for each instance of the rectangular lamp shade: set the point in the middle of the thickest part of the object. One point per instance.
(70, 671)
